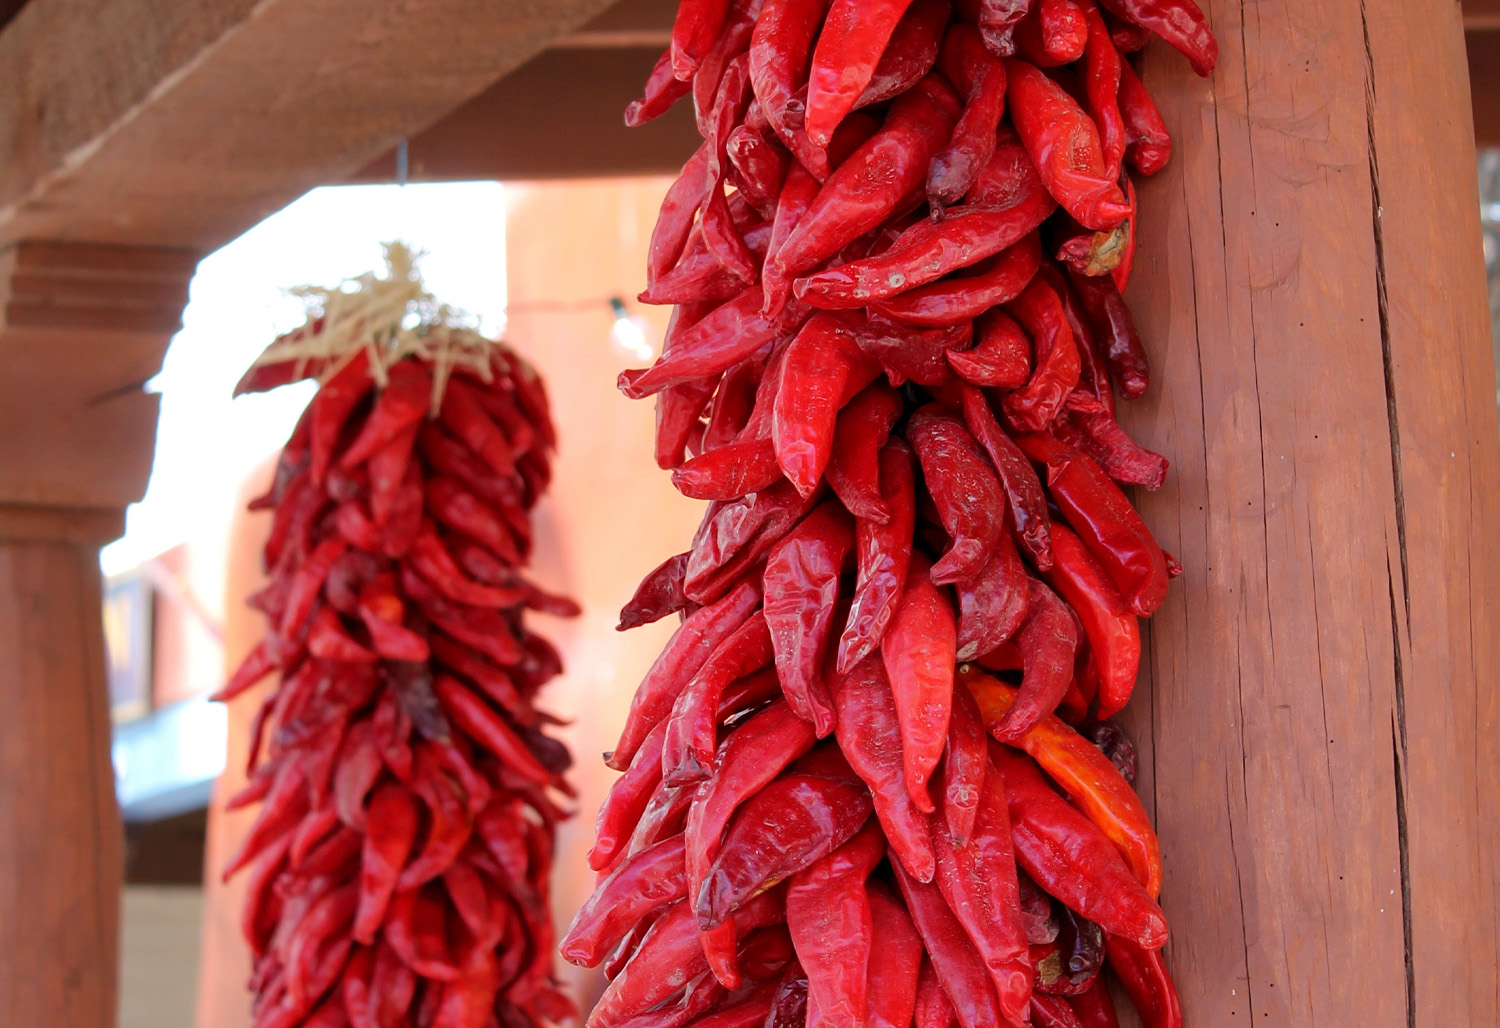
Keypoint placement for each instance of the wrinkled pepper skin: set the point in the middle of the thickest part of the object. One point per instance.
(1070, 858)
(918, 653)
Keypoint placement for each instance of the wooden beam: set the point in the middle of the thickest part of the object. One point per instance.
(1481, 14)
(181, 124)
(558, 116)
(1483, 49)
(1319, 708)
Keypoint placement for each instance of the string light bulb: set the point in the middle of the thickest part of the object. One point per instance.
(628, 333)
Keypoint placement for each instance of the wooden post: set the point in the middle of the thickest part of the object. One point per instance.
(1320, 715)
(80, 328)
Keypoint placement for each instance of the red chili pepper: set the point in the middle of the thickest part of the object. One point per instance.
(1148, 143)
(401, 405)
(895, 962)
(1070, 858)
(1040, 312)
(1049, 644)
(433, 562)
(1102, 82)
(1144, 974)
(876, 180)
(678, 407)
(854, 36)
(1179, 22)
(729, 472)
(997, 20)
(964, 297)
(693, 33)
(646, 882)
(801, 586)
(953, 959)
(753, 755)
(331, 408)
(728, 335)
(1064, 144)
(733, 40)
(883, 559)
(979, 882)
(1089, 778)
(862, 428)
(735, 537)
(911, 53)
(784, 828)
(1002, 356)
(869, 733)
(963, 767)
(415, 927)
(912, 354)
(980, 80)
(687, 651)
(391, 833)
(663, 90)
(626, 802)
(1113, 634)
(1111, 321)
(929, 250)
(780, 52)
(692, 730)
(659, 594)
(964, 488)
(327, 640)
(464, 416)
(829, 917)
(758, 168)
(933, 1010)
(475, 718)
(1053, 33)
(918, 652)
(1094, 1008)
(993, 605)
(1052, 1012)
(1106, 522)
(678, 209)
(823, 370)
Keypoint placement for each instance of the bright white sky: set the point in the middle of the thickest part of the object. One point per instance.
(206, 442)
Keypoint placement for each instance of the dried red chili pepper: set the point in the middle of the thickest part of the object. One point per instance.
(853, 38)
(1065, 854)
(980, 80)
(1087, 775)
(829, 917)
(979, 882)
(1103, 518)
(1113, 634)
(824, 369)
(862, 428)
(1064, 144)
(876, 179)
(801, 585)
(965, 489)
(1179, 22)
(911, 53)
(1147, 982)
(918, 654)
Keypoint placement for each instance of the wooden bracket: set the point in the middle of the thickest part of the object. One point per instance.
(82, 328)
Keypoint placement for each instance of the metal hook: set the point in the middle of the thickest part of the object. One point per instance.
(401, 162)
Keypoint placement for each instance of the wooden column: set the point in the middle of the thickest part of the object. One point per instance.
(81, 327)
(1320, 704)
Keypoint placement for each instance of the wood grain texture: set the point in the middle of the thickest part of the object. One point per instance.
(184, 122)
(1317, 707)
(60, 839)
